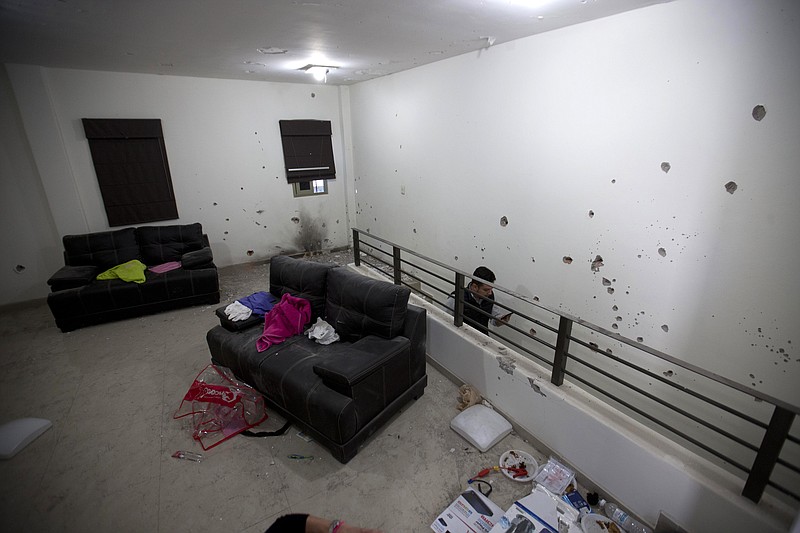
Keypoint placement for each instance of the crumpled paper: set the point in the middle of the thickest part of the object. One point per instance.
(322, 332)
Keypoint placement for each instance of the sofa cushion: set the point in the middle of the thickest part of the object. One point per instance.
(69, 277)
(104, 249)
(303, 279)
(357, 306)
(197, 259)
(161, 244)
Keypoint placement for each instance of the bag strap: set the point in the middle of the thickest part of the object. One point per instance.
(276, 433)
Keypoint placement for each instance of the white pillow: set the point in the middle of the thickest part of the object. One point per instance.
(481, 426)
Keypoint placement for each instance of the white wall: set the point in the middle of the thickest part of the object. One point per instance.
(30, 243)
(224, 151)
(542, 130)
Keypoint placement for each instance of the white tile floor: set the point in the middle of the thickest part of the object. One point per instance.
(106, 465)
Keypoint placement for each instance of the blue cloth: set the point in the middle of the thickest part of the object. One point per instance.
(259, 302)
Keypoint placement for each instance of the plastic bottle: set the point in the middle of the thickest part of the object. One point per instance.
(623, 519)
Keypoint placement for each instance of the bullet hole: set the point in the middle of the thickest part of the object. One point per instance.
(662, 252)
(250, 252)
(215, 203)
(593, 345)
(313, 95)
(532, 332)
(276, 177)
(591, 213)
(296, 220)
(665, 166)
(606, 282)
(456, 258)
(752, 376)
(669, 373)
(226, 233)
(597, 263)
(615, 308)
(639, 339)
(242, 188)
(260, 211)
(608, 351)
(639, 256)
(19, 269)
(567, 260)
(665, 328)
(415, 230)
(535, 298)
(759, 112)
(614, 326)
(618, 319)
(731, 187)
(503, 222)
(610, 290)
(613, 181)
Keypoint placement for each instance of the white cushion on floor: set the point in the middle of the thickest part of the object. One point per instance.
(481, 426)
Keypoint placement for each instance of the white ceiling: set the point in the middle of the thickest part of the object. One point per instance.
(222, 38)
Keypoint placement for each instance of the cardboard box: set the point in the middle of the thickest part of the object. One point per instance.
(471, 512)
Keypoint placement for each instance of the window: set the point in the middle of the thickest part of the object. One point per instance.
(307, 151)
(130, 160)
(310, 188)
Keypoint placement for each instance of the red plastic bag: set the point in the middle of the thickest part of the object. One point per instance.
(221, 406)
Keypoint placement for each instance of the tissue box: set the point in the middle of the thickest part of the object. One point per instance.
(471, 512)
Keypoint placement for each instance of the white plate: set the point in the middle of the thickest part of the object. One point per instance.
(597, 523)
(518, 459)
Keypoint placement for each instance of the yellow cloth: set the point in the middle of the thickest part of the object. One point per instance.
(130, 271)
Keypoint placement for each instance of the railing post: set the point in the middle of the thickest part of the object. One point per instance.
(562, 349)
(768, 453)
(356, 249)
(396, 257)
(458, 312)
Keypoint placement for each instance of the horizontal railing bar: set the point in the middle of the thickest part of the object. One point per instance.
(523, 348)
(783, 490)
(525, 333)
(616, 336)
(378, 248)
(662, 424)
(666, 404)
(434, 274)
(790, 466)
(674, 385)
(422, 281)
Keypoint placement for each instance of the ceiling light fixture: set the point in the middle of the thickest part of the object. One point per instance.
(320, 72)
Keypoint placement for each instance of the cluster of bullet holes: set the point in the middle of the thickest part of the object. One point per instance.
(503, 222)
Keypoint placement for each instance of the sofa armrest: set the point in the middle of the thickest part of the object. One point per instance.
(239, 325)
(351, 365)
(70, 277)
(201, 258)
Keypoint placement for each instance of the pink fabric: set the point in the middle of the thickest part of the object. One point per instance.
(165, 267)
(285, 320)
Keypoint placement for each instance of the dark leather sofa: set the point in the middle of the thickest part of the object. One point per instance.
(340, 394)
(78, 299)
